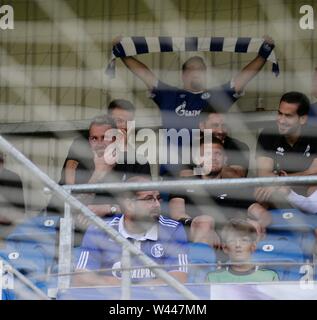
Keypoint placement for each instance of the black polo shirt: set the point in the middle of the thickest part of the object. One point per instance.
(289, 158)
(237, 152)
(221, 203)
(296, 158)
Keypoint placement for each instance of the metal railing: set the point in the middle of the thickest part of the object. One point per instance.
(76, 204)
(182, 185)
(64, 194)
(6, 267)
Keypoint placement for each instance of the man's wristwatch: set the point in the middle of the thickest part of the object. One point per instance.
(113, 209)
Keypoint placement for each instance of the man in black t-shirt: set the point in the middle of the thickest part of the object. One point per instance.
(206, 211)
(90, 166)
(237, 152)
(80, 159)
(289, 149)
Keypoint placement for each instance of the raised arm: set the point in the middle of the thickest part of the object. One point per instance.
(141, 71)
(251, 69)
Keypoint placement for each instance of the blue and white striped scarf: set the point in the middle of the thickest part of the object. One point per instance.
(131, 46)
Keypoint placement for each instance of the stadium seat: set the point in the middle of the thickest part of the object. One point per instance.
(31, 248)
(296, 226)
(275, 251)
(200, 253)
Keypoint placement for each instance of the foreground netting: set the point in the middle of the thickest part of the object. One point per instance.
(32, 247)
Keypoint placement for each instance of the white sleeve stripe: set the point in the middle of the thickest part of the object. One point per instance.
(86, 259)
(79, 260)
(82, 260)
(182, 259)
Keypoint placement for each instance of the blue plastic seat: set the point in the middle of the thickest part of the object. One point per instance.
(296, 226)
(292, 219)
(277, 252)
(200, 253)
(31, 248)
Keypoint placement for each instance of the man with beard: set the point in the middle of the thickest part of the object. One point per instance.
(206, 211)
(290, 149)
(159, 237)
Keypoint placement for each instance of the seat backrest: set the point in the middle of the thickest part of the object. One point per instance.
(200, 253)
(292, 219)
(279, 253)
(31, 247)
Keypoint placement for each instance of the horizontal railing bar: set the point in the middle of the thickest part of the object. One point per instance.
(182, 185)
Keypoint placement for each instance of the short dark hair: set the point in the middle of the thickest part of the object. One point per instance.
(129, 194)
(298, 98)
(215, 140)
(240, 226)
(206, 111)
(197, 58)
(102, 120)
(121, 104)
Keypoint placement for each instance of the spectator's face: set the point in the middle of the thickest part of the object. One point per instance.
(194, 76)
(215, 157)
(97, 139)
(288, 121)
(239, 247)
(216, 122)
(121, 117)
(147, 206)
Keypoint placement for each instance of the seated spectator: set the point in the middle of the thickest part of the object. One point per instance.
(12, 206)
(80, 155)
(206, 211)
(237, 152)
(100, 171)
(290, 149)
(239, 242)
(159, 237)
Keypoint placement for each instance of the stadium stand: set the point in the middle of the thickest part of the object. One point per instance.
(31, 248)
(295, 226)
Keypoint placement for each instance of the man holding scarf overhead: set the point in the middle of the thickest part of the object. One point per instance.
(181, 107)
